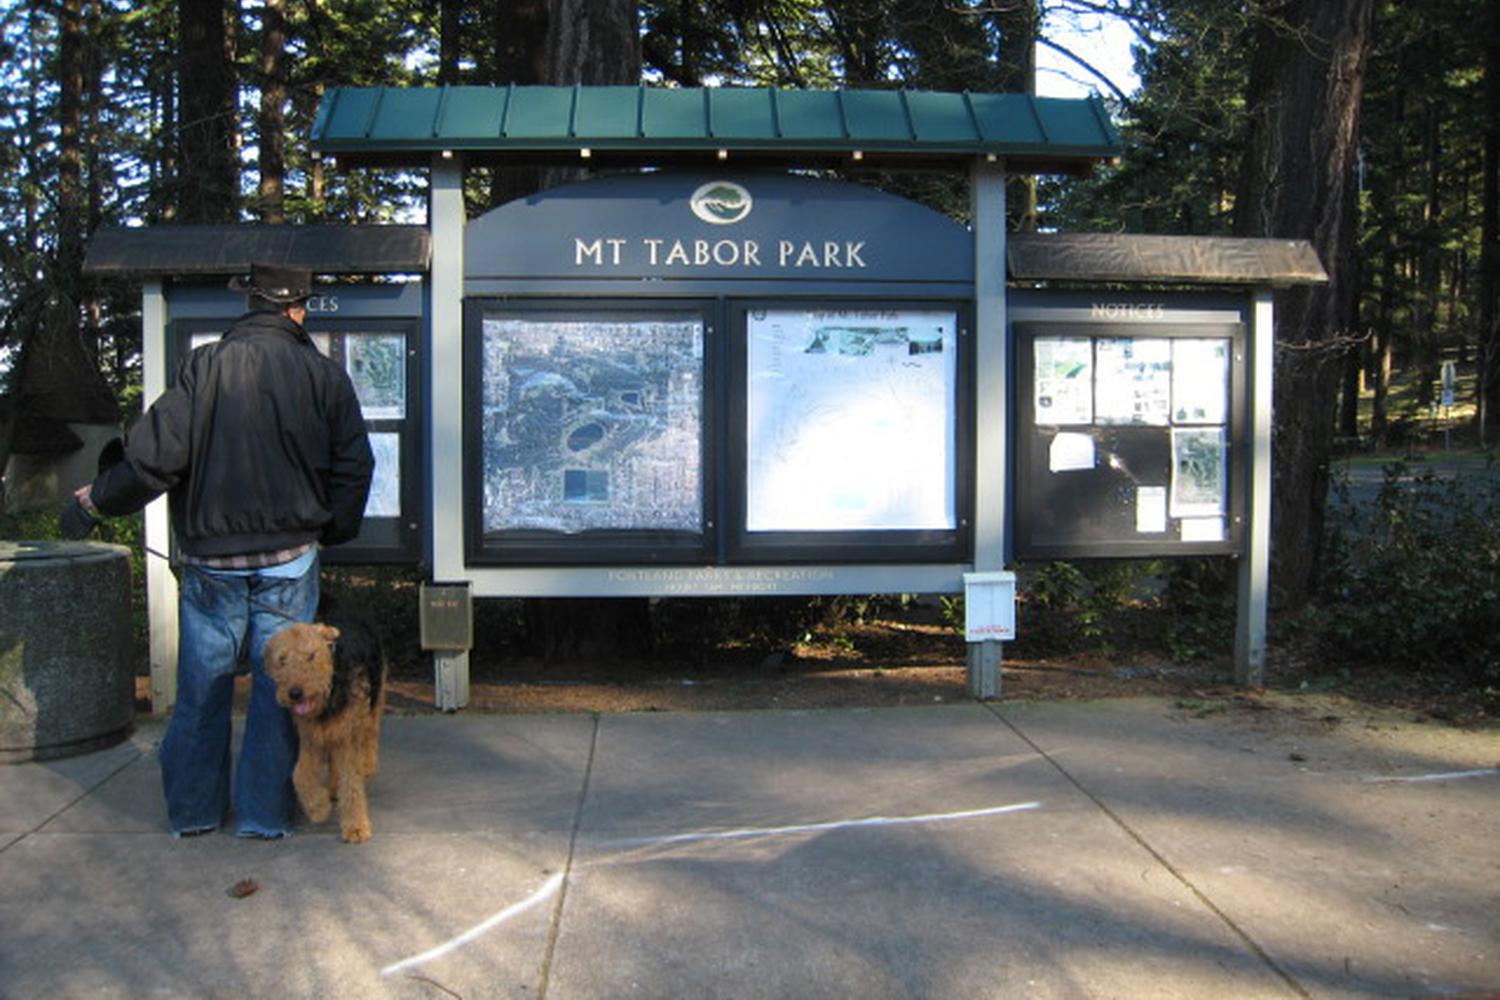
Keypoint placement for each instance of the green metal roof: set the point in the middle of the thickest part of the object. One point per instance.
(567, 124)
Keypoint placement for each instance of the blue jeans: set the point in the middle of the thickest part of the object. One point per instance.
(223, 614)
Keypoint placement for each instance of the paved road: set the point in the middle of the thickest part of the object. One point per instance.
(1122, 849)
(1365, 479)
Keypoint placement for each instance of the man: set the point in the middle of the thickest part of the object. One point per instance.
(261, 448)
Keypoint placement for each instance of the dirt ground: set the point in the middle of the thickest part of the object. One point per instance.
(912, 658)
(887, 662)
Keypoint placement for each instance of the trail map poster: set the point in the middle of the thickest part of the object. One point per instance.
(1064, 380)
(592, 422)
(851, 418)
(377, 366)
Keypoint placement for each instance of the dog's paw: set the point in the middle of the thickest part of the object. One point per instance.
(357, 833)
(317, 807)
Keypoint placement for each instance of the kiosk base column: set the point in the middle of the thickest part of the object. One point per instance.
(984, 670)
(451, 675)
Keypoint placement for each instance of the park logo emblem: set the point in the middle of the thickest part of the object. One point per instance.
(722, 203)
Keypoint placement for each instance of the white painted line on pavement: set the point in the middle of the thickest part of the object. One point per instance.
(777, 831)
(547, 889)
(1482, 772)
(554, 883)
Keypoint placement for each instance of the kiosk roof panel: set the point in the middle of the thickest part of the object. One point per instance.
(1121, 257)
(207, 250)
(364, 125)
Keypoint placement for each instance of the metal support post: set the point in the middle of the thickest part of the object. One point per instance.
(445, 444)
(161, 585)
(992, 393)
(1255, 568)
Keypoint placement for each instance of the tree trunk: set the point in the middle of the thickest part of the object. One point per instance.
(1306, 82)
(1354, 368)
(1380, 407)
(272, 119)
(1017, 23)
(57, 379)
(569, 630)
(591, 43)
(70, 201)
(520, 41)
(594, 42)
(1489, 260)
(207, 177)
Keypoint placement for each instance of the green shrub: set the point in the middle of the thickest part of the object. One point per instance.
(1412, 579)
(1198, 602)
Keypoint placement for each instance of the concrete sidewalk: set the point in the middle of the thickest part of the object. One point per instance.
(1114, 849)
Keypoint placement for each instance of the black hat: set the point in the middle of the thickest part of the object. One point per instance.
(275, 283)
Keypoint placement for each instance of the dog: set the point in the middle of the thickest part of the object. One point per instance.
(331, 677)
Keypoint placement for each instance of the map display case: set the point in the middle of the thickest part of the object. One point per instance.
(848, 425)
(587, 432)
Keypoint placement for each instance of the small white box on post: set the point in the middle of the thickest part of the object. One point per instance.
(989, 606)
(989, 617)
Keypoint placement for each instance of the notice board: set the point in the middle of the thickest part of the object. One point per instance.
(1130, 438)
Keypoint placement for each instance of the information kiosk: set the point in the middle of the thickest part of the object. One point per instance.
(705, 370)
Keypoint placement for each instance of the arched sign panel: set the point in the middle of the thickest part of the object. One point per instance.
(669, 226)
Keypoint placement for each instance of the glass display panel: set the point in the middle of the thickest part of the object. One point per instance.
(1127, 444)
(851, 419)
(591, 421)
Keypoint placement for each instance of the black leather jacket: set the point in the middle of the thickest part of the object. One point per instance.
(259, 442)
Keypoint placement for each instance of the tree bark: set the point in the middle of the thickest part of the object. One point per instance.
(520, 45)
(590, 43)
(448, 42)
(207, 177)
(272, 118)
(1017, 23)
(1306, 84)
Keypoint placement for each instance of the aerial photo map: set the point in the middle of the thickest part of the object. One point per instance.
(592, 422)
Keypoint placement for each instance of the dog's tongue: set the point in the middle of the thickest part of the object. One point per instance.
(302, 707)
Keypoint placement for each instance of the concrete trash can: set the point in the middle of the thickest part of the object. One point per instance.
(67, 685)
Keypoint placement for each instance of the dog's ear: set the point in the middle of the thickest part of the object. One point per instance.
(328, 632)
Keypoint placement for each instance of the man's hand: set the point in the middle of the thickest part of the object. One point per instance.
(77, 519)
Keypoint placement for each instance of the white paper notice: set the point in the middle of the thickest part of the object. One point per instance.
(1200, 381)
(1151, 509)
(1202, 529)
(1071, 453)
(1064, 380)
(1133, 381)
(385, 488)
